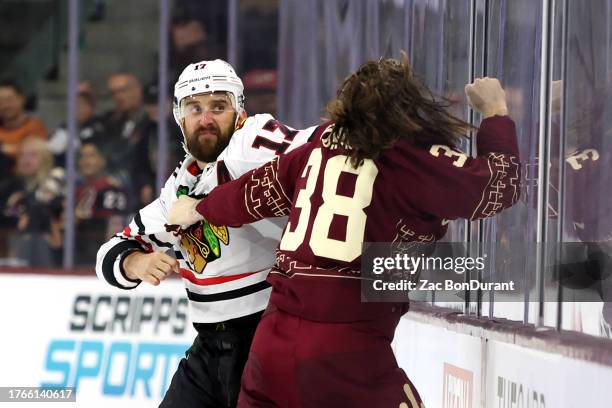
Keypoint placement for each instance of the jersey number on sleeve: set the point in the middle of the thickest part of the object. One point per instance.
(459, 158)
(333, 204)
(278, 147)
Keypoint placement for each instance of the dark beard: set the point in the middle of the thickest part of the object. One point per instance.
(208, 151)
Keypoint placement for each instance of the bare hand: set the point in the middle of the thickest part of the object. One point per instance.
(151, 267)
(183, 212)
(487, 96)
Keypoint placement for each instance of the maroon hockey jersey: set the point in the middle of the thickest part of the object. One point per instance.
(408, 194)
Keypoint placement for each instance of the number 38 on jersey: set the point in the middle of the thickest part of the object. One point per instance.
(332, 204)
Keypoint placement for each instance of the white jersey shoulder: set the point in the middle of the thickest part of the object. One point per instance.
(261, 139)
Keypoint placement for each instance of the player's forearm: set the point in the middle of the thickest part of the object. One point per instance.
(256, 195)
(129, 263)
(497, 134)
(225, 205)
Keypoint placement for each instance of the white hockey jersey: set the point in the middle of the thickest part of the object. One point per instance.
(224, 268)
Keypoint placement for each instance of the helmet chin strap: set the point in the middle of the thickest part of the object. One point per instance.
(184, 142)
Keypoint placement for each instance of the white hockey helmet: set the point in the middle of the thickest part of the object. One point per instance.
(205, 77)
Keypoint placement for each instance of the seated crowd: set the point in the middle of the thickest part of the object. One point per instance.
(115, 163)
(114, 166)
(116, 150)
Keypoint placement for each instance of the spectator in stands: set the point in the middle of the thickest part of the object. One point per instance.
(174, 151)
(35, 205)
(89, 125)
(101, 204)
(15, 123)
(124, 136)
(128, 113)
(189, 41)
(260, 85)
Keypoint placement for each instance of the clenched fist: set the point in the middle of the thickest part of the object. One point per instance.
(183, 212)
(487, 96)
(151, 267)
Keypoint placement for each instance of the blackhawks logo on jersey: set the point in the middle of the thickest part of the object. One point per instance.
(202, 241)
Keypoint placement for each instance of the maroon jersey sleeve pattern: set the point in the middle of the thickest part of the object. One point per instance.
(453, 185)
(264, 194)
(260, 193)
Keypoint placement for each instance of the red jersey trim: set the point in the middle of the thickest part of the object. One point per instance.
(148, 247)
(194, 169)
(187, 274)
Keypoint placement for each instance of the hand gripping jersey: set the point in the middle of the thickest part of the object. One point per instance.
(223, 267)
(408, 194)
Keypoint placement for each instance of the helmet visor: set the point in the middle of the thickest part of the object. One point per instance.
(215, 104)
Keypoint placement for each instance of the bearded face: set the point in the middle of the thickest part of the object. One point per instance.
(209, 123)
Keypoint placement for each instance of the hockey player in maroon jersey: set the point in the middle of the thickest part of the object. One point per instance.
(384, 169)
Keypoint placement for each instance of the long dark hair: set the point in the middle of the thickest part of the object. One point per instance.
(383, 102)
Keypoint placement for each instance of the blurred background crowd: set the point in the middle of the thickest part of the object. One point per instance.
(117, 113)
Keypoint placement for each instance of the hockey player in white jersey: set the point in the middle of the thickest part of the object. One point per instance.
(223, 268)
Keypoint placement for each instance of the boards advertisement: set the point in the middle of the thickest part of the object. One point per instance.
(113, 346)
(448, 369)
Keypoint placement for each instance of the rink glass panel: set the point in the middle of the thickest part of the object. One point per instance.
(33, 56)
(256, 53)
(126, 41)
(582, 125)
(513, 52)
(438, 38)
(321, 42)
